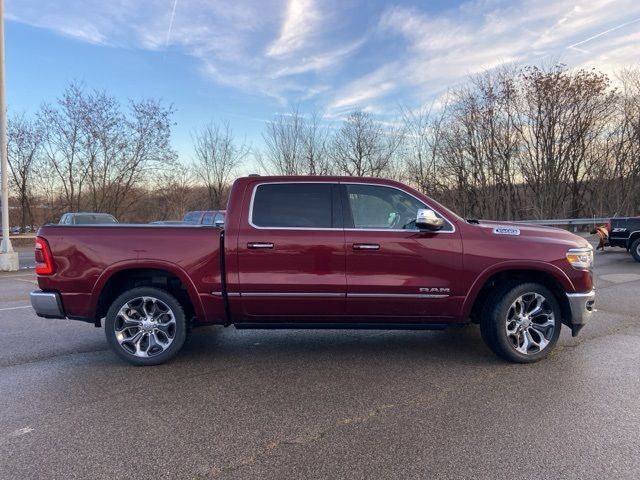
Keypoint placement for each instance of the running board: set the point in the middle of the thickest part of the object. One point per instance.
(346, 326)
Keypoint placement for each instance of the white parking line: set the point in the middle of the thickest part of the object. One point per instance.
(9, 277)
(14, 308)
(21, 431)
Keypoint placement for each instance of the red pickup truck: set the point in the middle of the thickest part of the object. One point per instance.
(317, 252)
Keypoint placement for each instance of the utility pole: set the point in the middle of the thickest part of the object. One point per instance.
(8, 258)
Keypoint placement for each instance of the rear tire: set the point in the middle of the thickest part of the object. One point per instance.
(521, 322)
(635, 249)
(146, 326)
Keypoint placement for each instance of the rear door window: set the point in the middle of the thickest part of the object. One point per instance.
(294, 205)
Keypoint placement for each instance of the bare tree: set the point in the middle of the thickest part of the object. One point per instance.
(560, 117)
(24, 142)
(283, 145)
(295, 144)
(479, 145)
(364, 147)
(621, 165)
(64, 124)
(148, 148)
(423, 147)
(171, 197)
(217, 157)
(100, 154)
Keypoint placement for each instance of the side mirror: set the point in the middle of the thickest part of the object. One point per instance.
(219, 223)
(426, 219)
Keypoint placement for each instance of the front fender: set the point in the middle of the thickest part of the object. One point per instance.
(510, 266)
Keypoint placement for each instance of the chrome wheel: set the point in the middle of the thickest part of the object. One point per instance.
(145, 327)
(530, 323)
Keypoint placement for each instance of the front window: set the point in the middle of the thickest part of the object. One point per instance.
(380, 208)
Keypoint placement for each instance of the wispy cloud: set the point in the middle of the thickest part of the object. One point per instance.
(301, 20)
(345, 54)
(440, 49)
(228, 38)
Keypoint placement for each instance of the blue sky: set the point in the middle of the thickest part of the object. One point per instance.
(245, 61)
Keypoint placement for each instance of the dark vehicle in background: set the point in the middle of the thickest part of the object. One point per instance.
(318, 252)
(17, 230)
(205, 217)
(625, 232)
(87, 218)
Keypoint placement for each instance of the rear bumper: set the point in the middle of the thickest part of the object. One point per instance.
(582, 309)
(47, 304)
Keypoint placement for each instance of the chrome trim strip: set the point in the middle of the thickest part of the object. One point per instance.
(291, 294)
(365, 246)
(333, 295)
(396, 295)
(258, 245)
(255, 188)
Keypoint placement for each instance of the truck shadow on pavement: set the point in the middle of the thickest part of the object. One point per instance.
(456, 345)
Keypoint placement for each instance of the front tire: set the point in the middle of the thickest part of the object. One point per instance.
(521, 322)
(635, 250)
(146, 326)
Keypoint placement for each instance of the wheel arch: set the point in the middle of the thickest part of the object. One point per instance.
(127, 275)
(558, 285)
(633, 237)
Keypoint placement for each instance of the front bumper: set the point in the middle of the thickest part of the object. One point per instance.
(582, 308)
(47, 304)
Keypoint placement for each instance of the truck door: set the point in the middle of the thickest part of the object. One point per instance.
(395, 271)
(291, 251)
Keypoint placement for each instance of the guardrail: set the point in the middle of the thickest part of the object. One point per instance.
(571, 222)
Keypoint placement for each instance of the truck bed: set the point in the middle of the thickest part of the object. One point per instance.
(87, 256)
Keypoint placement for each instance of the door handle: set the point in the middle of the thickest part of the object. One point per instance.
(366, 246)
(256, 245)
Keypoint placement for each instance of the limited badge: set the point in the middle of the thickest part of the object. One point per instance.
(506, 231)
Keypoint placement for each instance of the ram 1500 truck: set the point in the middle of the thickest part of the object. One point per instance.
(625, 233)
(317, 252)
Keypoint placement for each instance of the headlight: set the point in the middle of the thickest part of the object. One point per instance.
(581, 258)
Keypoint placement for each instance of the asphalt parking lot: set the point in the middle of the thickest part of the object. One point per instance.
(322, 404)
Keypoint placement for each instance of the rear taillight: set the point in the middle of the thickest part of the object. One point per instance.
(44, 259)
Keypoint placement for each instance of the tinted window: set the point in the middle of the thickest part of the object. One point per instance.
(192, 217)
(88, 219)
(207, 219)
(219, 219)
(379, 207)
(301, 205)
